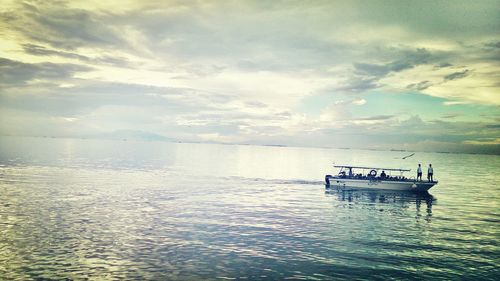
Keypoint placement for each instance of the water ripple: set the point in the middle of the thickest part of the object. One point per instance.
(120, 222)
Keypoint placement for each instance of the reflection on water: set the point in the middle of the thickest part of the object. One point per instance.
(393, 199)
(75, 209)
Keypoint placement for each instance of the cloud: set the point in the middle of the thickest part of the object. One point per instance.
(19, 73)
(443, 65)
(456, 75)
(377, 118)
(455, 102)
(356, 85)
(451, 115)
(37, 50)
(370, 76)
(56, 24)
(492, 126)
(493, 45)
(359, 101)
(484, 142)
(88, 96)
(460, 87)
(420, 86)
(42, 51)
(410, 58)
(239, 71)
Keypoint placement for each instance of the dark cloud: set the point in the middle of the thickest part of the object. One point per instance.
(369, 69)
(457, 75)
(55, 24)
(451, 115)
(37, 50)
(400, 66)
(420, 56)
(111, 60)
(493, 45)
(409, 59)
(18, 73)
(377, 70)
(490, 51)
(357, 85)
(492, 126)
(443, 65)
(420, 86)
(367, 75)
(376, 118)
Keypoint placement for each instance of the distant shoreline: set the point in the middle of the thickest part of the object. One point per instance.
(168, 140)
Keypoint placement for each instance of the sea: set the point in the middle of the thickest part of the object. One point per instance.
(84, 209)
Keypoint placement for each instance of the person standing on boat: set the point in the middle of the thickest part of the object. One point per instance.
(419, 172)
(430, 172)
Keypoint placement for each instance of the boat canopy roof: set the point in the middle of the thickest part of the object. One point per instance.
(373, 168)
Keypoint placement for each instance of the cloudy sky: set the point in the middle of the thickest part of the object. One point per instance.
(421, 75)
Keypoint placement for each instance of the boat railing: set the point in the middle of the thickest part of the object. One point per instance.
(368, 177)
(348, 172)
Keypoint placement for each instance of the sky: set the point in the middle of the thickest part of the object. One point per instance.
(413, 75)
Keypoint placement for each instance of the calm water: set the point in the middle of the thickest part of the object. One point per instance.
(88, 209)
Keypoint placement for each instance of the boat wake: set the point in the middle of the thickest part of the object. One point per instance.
(277, 181)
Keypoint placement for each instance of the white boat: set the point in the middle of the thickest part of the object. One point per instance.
(347, 178)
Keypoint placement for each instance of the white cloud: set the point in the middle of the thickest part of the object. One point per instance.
(359, 101)
(483, 142)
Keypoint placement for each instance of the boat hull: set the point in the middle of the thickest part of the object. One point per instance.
(345, 184)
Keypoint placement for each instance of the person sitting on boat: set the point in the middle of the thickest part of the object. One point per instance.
(383, 175)
(430, 173)
(419, 172)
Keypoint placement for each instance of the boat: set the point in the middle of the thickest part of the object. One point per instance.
(349, 177)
